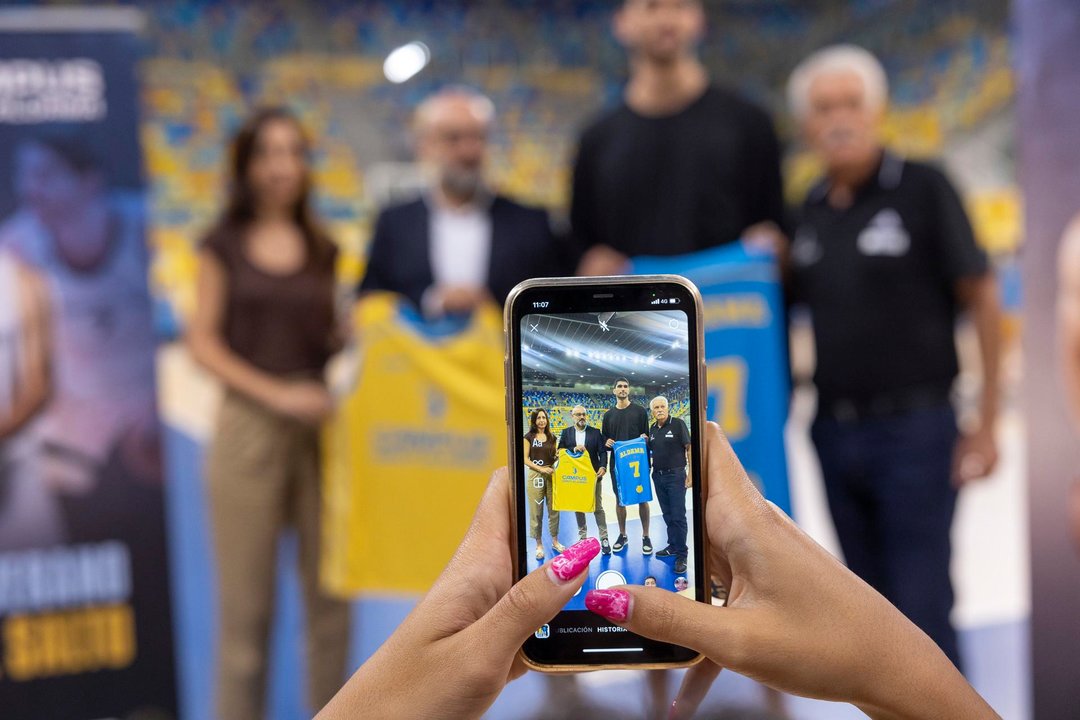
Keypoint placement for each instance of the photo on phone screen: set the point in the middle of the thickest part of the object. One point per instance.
(607, 420)
(614, 389)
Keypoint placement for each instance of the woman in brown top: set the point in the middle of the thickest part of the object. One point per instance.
(540, 459)
(264, 326)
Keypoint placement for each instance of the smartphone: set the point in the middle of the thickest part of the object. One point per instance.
(605, 387)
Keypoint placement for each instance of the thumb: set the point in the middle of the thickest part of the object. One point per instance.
(658, 614)
(536, 598)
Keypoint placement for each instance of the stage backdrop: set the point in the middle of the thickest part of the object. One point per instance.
(85, 622)
(1049, 73)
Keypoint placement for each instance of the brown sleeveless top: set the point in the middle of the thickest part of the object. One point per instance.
(283, 324)
(542, 453)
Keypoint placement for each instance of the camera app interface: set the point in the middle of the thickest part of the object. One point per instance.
(606, 409)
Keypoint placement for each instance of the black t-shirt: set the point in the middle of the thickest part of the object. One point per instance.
(679, 183)
(626, 424)
(880, 279)
(668, 444)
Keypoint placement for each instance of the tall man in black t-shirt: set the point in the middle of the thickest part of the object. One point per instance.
(626, 421)
(885, 259)
(679, 165)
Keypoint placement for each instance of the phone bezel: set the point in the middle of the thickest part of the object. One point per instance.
(618, 289)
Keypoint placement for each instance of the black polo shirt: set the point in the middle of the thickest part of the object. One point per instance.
(880, 277)
(668, 444)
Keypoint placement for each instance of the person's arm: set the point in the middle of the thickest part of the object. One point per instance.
(981, 300)
(304, 400)
(1068, 316)
(767, 211)
(601, 453)
(33, 346)
(458, 648)
(595, 254)
(966, 266)
(800, 621)
(375, 271)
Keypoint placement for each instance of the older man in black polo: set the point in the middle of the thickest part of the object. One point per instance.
(885, 259)
(669, 443)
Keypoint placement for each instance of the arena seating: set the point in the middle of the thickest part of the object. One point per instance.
(559, 404)
(948, 64)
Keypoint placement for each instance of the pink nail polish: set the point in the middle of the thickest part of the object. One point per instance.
(613, 605)
(569, 564)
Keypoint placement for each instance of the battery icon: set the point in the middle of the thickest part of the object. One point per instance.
(674, 301)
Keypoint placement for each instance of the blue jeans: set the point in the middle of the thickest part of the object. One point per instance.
(671, 492)
(888, 482)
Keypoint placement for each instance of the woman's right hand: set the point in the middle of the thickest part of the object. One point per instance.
(796, 619)
(305, 400)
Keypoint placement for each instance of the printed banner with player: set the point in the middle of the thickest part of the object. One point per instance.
(574, 483)
(745, 351)
(85, 618)
(409, 453)
(632, 471)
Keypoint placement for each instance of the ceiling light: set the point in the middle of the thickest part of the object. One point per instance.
(406, 61)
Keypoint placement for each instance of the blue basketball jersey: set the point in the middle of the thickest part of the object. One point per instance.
(632, 471)
(746, 353)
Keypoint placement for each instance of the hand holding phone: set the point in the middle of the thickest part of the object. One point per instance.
(627, 350)
(798, 621)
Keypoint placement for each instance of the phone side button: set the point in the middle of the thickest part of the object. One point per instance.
(506, 404)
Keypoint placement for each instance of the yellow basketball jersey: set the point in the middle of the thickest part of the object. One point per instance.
(574, 483)
(411, 448)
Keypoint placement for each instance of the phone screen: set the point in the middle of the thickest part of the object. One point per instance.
(606, 385)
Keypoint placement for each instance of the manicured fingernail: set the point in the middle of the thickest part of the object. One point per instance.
(676, 710)
(613, 605)
(569, 564)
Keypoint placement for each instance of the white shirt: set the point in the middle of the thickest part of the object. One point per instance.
(579, 437)
(459, 247)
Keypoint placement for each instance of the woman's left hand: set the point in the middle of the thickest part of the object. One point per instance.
(457, 649)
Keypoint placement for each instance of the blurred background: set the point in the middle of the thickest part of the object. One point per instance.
(354, 73)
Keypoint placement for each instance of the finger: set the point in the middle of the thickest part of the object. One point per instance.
(491, 521)
(662, 615)
(695, 686)
(535, 599)
(727, 480)
(488, 537)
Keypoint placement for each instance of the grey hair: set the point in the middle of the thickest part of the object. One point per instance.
(480, 103)
(658, 397)
(833, 59)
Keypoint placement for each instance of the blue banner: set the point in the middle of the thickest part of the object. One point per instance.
(85, 611)
(745, 351)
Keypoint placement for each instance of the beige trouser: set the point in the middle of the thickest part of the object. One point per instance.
(601, 518)
(538, 491)
(263, 474)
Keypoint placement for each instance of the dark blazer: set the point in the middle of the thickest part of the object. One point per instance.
(594, 443)
(399, 257)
